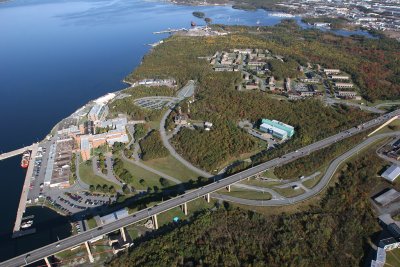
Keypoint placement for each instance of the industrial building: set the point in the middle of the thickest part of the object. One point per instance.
(277, 129)
(391, 173)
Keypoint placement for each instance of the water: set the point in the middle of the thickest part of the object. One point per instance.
(57, 55)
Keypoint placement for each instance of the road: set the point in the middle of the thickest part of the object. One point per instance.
(172, 151)
(110, 175)
(363, 107)
(316, 189)
(73, 241)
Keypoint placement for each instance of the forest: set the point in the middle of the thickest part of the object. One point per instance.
(217, 100)
(311, 163)
(152, 146)
(333, 233)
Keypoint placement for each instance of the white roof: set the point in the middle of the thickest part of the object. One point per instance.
(391, 173)
(274, 129)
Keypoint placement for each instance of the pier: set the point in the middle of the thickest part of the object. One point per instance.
(171, 31)
(25, 189)
(15, 152)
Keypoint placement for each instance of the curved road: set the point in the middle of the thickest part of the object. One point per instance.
(172, 151)
(75, 240)
(316, 189)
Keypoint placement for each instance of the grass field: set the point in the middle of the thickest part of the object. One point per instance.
(247, 194)
(270, 174)
(267, 184)
(289, 192)
(87, 175)
(312, 182)
(91, 223)
(150, 179)
(172, 167)
(392, 258)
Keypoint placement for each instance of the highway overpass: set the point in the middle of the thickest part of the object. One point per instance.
(75, 240)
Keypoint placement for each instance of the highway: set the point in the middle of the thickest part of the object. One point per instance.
(316, 189)
(73, 241)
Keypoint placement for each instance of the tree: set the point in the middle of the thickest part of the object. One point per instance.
(126, 189)
(105, 188)
(99, 188)
(92, 188)
(111, 189)
(164, 182)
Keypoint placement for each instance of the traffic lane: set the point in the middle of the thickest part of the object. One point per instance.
(203, 191)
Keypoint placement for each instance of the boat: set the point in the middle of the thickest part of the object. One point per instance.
(193, 24)
(27, 224)
(26, 156)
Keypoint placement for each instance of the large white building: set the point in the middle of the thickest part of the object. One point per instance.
(391, 173)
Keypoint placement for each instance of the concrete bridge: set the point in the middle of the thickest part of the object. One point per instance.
(182, 200)
(15, 152)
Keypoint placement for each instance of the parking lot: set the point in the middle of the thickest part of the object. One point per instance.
(156, 102)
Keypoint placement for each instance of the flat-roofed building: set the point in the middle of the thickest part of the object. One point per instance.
(389, 243)
(331, 71)
(98, 112)
(344, 85)
(277, 128)
(346, 94)
(339, 77)
(387, 197)
(85, 148)
(391, 173)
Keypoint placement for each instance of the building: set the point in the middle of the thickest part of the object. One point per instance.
(251, 86)
(387, 197)
(60, 170)
(394, 230)
(112, 217)
(277, 129)
(343, 85)
(391, 173)
(120, 242)
(389, 243)
(346, 94)
(331, 71)
(98, 112)
(181, 119)
(339, 77)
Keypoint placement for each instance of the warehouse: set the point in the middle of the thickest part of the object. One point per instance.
(391, 173)
(277, 129)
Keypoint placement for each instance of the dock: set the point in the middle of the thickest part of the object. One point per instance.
(171, 31)
(14, 152)
(23, 233)
(25, 189)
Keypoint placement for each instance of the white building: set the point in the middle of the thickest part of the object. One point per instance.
(391, 173)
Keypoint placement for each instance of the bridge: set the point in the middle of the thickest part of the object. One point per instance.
(15, 152)
(182, 200)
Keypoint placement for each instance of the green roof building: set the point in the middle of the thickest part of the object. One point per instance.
(277, 128)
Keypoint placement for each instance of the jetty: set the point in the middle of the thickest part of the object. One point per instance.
(171, 31)
(25, 189)
(15, 152)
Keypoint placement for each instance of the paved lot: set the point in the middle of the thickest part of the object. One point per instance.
(156, 102)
